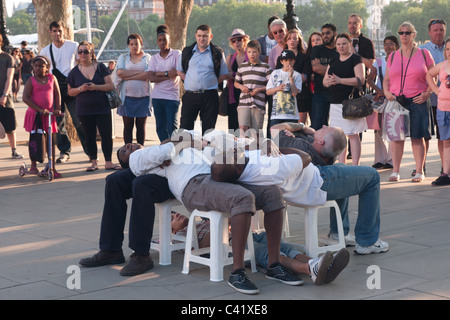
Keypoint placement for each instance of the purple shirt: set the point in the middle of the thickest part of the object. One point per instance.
(168, 89)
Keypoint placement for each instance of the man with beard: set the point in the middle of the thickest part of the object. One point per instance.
(321, 56)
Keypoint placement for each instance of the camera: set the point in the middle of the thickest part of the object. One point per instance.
(401, 99)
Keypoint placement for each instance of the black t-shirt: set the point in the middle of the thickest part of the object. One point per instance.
(343, 69)
(302, 64)
(365, 47)
(325, 55)
(90, 102)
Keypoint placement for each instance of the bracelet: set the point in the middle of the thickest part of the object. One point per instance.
(4, 94)
(303, 125)
(79, 89)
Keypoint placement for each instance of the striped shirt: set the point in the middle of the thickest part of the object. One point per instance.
(253, 76)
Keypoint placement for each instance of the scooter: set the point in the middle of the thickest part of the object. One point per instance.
(49, 167)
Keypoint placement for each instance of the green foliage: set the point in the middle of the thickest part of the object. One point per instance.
(21, 23)
(419, 15)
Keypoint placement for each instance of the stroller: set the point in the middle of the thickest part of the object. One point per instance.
(48, 171)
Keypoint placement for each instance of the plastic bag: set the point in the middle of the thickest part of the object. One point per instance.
(395, 122)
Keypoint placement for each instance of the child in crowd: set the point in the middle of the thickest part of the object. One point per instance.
(251, 78)
(42, 96)
(284, 84)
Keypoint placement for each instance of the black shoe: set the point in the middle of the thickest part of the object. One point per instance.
(443, 180)
(340, 261)
(103, 258)
(278, 272)
(137, 265)
(241, 283)
(63, 158)
(387, 166)
(378, 165)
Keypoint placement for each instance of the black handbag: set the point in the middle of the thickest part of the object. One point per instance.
(37, 142)
(356, 108)
(113, 97)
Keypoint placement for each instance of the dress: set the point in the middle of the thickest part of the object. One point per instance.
(42, 95)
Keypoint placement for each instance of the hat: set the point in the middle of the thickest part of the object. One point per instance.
(238, 33)
(287, 54)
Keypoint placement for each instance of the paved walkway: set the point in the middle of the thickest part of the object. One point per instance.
(46, 227)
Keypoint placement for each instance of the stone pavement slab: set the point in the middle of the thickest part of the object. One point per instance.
(46, 227)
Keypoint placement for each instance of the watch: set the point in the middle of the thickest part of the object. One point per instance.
(166, 74)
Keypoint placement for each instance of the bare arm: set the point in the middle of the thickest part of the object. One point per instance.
(306, 158)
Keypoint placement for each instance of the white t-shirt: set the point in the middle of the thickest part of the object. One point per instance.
(284, 103)
(65, 57)
(299, 186)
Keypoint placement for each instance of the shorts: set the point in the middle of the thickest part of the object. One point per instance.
(443, 123)
(251, 117)
(419, 119)
(8, 116)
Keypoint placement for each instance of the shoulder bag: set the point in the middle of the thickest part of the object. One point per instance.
(36, 144)
(113, 97)
(356, 108)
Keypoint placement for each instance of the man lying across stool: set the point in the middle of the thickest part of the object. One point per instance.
(290, 257)
(188, 173)
(313, 185)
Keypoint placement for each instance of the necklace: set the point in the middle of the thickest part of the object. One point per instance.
(41, 80)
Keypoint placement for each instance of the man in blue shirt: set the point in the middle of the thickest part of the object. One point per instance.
(202, 67)
(436, 30)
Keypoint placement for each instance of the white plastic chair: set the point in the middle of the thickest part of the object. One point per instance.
(166, 245)
(219, 245)
(312, 240)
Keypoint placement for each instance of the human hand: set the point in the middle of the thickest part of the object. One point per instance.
(422, 98)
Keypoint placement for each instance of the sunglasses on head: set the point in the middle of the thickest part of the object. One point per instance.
(404, 32)
(85, 51)
(281, 31)
(440, 21)
(238, 39)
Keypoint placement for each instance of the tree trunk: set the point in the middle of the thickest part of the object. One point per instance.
(48, 11)
(176, 16)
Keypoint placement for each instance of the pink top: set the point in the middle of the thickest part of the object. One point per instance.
(170, 88)
(444, 92)
(42, 95)
(415, 80)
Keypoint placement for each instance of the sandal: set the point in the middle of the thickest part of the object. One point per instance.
(395, 177)
(57, 175)
(114, 168)
(33, 170)
(90, 169)
(419, 177)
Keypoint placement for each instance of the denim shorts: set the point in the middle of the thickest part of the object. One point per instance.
(443, 122)
(419, 118)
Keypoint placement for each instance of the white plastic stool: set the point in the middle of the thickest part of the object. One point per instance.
(219, 245)
(312, 240)
(165, 246)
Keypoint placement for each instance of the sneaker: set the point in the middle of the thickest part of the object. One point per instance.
(377, 247)
(378, 165)
(443, 180)
(318, 267)
(241, 283)
(63, 158)
(137, 265)
(339, 262)
(349, 239)
(103, 258)
(15, 155)
(280, 273)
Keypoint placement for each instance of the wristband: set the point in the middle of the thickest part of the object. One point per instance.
(166, 74)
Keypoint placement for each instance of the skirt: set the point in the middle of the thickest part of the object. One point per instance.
(349, 127)
(135, 107)
(30, 116)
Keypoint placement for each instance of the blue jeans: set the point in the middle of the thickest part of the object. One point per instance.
(340, 182)
(320, 110)
(262, 254)
(165, 117)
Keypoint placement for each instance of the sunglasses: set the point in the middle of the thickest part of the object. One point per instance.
(238, 39)
(281, 31)
(85, 51)
(440, 21)
(404, 32)
(447, 82)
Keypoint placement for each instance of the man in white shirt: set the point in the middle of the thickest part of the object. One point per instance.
(188, 173)
(63, 56)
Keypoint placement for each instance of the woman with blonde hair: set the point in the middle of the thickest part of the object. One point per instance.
(238, 42)
(405, 81)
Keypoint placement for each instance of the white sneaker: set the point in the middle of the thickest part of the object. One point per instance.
(377, 247)
(350, 240)
(318, 267)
